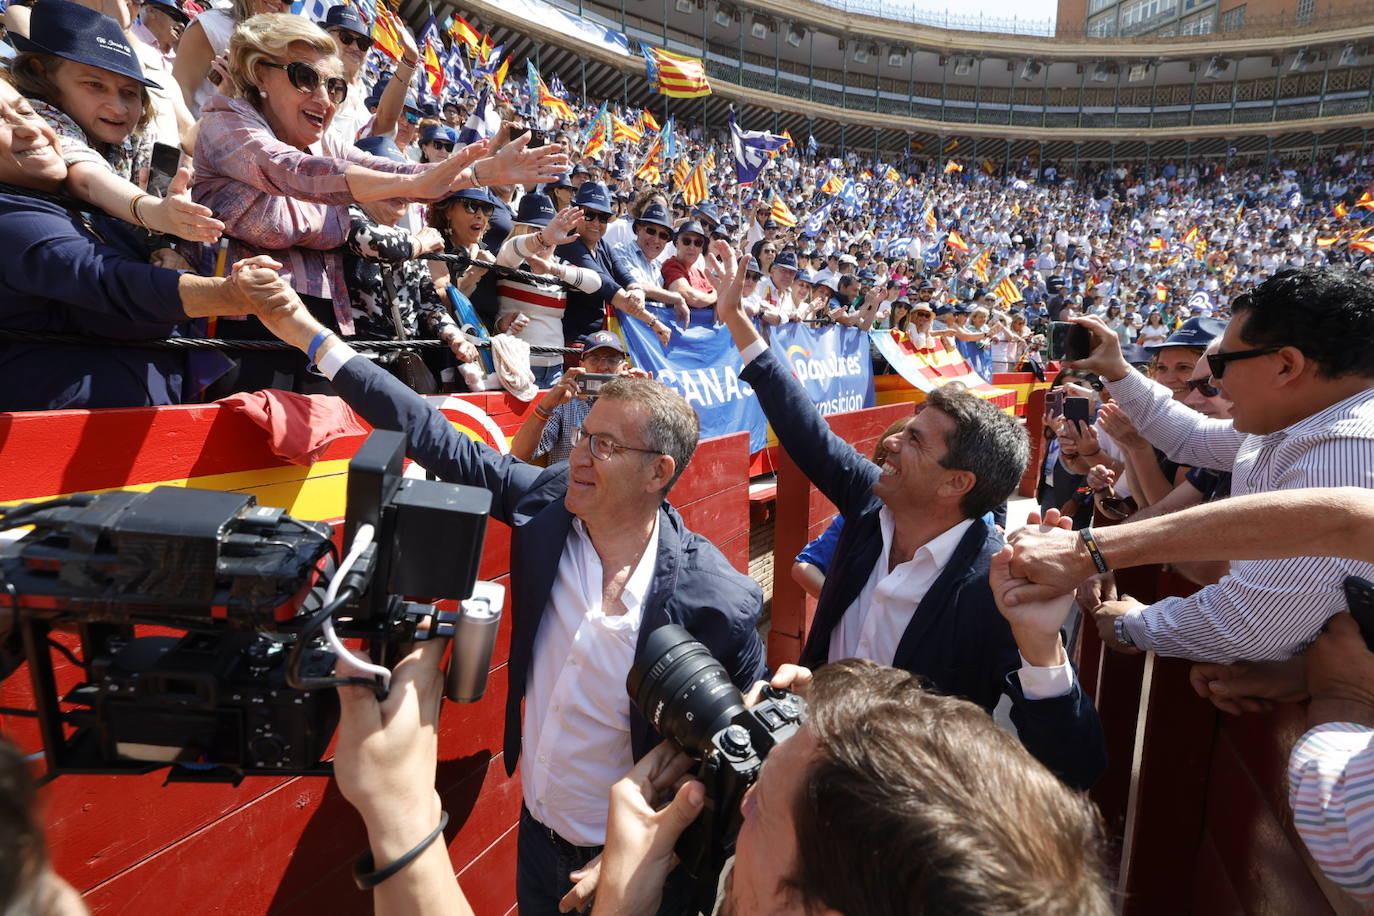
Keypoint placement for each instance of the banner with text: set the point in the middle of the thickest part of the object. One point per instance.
(831, 361)
(703, 366)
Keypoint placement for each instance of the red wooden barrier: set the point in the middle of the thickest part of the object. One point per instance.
(802, 514)
(281, 846)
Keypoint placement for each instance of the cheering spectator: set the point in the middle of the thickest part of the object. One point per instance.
(1297, 360)
(585, 312)
(680, 273)
(200, 68)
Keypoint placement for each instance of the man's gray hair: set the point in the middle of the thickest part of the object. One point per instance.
(672, 428)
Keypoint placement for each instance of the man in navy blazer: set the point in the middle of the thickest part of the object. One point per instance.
(909, 586)
(585, 312)
(598, 561)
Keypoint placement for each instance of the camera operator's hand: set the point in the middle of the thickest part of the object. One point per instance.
(384, 761)
(1104, 359)
(1251, 686)
(1340, 674)
(640, 837)
(788, 677)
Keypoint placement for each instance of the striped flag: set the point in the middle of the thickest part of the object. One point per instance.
(652, 168)
(680, 172)
(622, 131)
(866, 175)
(931, 223)
(386, 34)
(951, 146)
(456, 76)
(892, 175)
(648, 121)
(956, 241)
(1161, 291)
(980, 264)
(462, 32)
(675, 75)
(1366, 201)
(430, 45)
(598, 133)
(1006, 290)
(540, 94)
(952, 166)
(782, 213)
(1341, 210)
(1365, 245)
(694, 191)
(1190, 236)
(832, 185)
(1156, 244)
(787, 135)
(1326, 241)
(987, 166)
(710, 162)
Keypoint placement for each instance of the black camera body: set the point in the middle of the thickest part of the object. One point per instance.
(246, 687)
(688, 697)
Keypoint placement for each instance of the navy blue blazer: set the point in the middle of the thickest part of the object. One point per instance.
(957, 640)
(693, 585)
(586, 312)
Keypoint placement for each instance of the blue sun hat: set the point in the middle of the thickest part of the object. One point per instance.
(80, 34)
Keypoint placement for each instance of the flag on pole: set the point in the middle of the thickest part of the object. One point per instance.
(1366, 201)
(462, 32)
(694, 191)
(483, 123)
(952, 166)
(1161, 291)
(557, 88)
(386, 33)
(931, 223)
(1190, 236)
(651, 170)
(432, 79)
(1199, 248)
(669, 141)
(648, 121)
(787, 135)
(622, 131)
(892, 175)
(680, 172)
(675, 75)
(1006, 290)
(832, 185)
(710, 162)
(811, 144)
(1341, 210)
(1365, 245)
(1156, 244)
(598, 133)
(1326, 241)
(782, 213)
(980, 264)
(752, 149)
(456, 76)
(956, 241)
(817, 220)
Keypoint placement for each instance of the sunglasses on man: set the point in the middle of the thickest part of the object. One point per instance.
(662, 235)
(347, 39)
(1216, 362)
(412, 117)
(306, 79)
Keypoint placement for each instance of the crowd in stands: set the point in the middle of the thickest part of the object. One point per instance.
(240, 171)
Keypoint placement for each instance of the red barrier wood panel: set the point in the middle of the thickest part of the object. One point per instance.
(1034, 413)
(802, 515)
(131, 844)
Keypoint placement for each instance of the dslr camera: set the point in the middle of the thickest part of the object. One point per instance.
(207, 626)
(680, 688)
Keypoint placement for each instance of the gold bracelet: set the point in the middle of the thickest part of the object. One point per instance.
(133, 209)
(476, 183)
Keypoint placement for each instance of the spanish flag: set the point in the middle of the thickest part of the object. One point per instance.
(1366, 201)
(460, 30)
(1190, 236)
(648, 122)
(1365, 245)
(694, 191)
(1156, 244)
(1161, 291)
(782, 213)
(866, 175)
(955, 241)
(951, 146)
(952, 166)
(675, 75)
(499, 77)
(386, 33)
(1326, 241)
(1341, 210)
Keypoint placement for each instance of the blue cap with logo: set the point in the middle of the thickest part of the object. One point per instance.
(655, 214)
(535, 210)
(1195, 332)
(594, 196)
(438, 132)
(786, 260)
(384, 147)
(80, 34)
(598, 339)
(344, 16)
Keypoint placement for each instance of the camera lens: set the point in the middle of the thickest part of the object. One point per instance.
(682, 690)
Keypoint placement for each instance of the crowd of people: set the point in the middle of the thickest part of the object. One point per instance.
(243, 172)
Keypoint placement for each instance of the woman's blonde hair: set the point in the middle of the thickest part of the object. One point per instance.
(268, 36)
(31, 73)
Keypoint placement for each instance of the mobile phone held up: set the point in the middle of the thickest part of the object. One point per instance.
(1069, 341)
(1359, 598)
(1079, 410)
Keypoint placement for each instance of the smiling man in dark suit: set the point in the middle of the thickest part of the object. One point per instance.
(598, 561)
(910, 586)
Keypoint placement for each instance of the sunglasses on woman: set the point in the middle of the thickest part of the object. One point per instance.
(592, 216)
(444, 145)
(306, 79)
(361, 42)
(476, 206)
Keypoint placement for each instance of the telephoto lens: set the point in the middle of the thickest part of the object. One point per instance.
(682, 690)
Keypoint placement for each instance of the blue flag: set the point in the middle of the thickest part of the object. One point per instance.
(701, 364)
(456, 77)
(752, 148)
(483, 123)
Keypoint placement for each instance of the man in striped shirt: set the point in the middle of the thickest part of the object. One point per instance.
(1297, 362)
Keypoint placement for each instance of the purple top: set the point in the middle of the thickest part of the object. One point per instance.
(277, 200)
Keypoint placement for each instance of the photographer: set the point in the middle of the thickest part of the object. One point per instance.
(1297, 363)
(891, 799)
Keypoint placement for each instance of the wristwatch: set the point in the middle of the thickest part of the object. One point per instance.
(1122, 634)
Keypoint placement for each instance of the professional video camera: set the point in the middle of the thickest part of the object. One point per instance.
(688, 696)
(261, 605)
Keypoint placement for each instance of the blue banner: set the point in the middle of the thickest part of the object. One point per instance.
(701, 364)
(832, 362)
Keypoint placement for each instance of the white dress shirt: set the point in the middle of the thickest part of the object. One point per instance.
(873, 625)
(576, 739)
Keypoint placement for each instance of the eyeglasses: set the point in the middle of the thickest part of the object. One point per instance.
(690, 241)
(477, 206)
(753, 276)
(592, 216)
(306, 79)
(662, 235)
(1216, 362)
(346, 38)
(412, 117)
(603, 446)
(1203, 387)
(444, 145)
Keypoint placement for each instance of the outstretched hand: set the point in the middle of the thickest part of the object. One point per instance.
(518, 163)
(176, 214)
(726, 272)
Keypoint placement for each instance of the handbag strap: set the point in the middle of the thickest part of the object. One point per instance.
(389, 287)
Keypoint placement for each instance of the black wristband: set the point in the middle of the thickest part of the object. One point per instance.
(366, 878)
(1090, 542)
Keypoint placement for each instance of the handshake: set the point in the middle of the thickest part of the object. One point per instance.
(263, 291)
